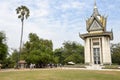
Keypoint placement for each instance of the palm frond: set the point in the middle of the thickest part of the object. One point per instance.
(19, 16)
(23, 11)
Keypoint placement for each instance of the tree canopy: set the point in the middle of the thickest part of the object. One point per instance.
(115, 49)
(71, 51)
(3, 48)
(37, 51)
(23, 12)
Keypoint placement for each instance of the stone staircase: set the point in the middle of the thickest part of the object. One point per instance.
(94, 67)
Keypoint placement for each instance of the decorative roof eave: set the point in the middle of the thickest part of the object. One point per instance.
(83, 36)
(92, 19)
(22, 62)
(95, 30)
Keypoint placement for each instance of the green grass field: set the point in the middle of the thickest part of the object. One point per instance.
(60, 74)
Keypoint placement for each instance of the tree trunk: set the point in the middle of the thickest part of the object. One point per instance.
(20, 41)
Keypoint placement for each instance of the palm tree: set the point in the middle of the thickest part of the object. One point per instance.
(23, 12)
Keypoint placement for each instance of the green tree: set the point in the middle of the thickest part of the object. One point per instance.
(58, 54)
(8, 63)
(3, 48)
(115, 48)
(71, 51)
(38, 51)
(23, 12)
(14, 57)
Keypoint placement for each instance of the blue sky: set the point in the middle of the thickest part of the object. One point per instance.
(56, 20)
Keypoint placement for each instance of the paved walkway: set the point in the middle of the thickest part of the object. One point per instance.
(63, 68)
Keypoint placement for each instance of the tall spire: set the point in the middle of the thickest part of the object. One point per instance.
(95, 4)
(95, 10)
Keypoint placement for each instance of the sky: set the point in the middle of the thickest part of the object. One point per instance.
(56, 20)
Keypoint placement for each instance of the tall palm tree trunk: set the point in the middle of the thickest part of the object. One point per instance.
(21, 36)
(20, 41)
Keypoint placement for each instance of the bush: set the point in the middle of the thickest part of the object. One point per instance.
(111, 67)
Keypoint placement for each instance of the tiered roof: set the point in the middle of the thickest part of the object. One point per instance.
(96, 25)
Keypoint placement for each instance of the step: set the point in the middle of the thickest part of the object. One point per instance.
(94, 67)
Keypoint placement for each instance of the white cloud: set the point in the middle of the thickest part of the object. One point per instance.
(49, 19)
(41, 8)
(72, 5)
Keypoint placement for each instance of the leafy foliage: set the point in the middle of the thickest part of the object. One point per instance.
(71, 51)
(14, 58)
(22, 12)
(115, 48)
(37, 51)
(3, 48)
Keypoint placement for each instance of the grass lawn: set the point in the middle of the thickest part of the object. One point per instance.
(60, 74)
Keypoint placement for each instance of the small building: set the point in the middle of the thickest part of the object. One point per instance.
(22, 64)
(97, 39)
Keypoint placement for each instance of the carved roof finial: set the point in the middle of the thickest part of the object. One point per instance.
(95, 4)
